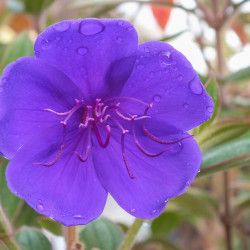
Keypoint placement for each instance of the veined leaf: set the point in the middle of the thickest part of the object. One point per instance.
(239, 76)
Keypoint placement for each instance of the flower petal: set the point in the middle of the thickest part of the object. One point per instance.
(68, 191)
(27, 88)
(157, 179)
(164, 77)
(98, 55)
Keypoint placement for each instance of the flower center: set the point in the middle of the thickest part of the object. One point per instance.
(104, 114)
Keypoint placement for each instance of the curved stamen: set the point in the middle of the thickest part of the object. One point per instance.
(58, 155)
(131, 175)
(144, 151)
(86, 117)
(98, 136)
(156, 139)
(85, 157)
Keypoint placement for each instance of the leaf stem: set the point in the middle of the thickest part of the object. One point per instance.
(130, 237)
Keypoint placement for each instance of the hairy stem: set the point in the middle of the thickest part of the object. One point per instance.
(130, 237)
(71, 237)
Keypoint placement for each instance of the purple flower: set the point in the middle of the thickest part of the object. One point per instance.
(94, 112)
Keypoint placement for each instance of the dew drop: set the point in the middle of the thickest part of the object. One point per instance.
(177, 147)
(195, 86)
(157, 98)
(58, 38)
(77, 216)
(36, 53)
(154, 211)
(82, 51)
(132, 210)
(151, 74)
(62, 26)
(140, 66)
(39, 201)
(91, 27)
(210, 109)
(188, 183)
(166, 201)
(185, 105)
(46, 44)
(120, 23)
(146, 49)
(119, 39)
(165, 58)
(180, 78)
(130, 28)
(40, 207)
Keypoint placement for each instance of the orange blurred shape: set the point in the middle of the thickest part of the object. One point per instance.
(238, 27)
(161, 12)
(20, 22)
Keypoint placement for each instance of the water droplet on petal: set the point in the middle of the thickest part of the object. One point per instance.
(140, 66)
(188, 183)
(157, 98)
(77, 216)
(39, 201)
(36, 53)
(146, 49)
(154, 211)
(120, 23)
(46, 44)
(177, 147)
(119, 39)
(185, 105)
(151, 74)
(166, 201)
(91, 27)
(62, 26)
(82, 51)
(58, 38)
(40, 207)
(130, 28)
(195, 86)
(180, 78)
(210, 109)
(132, 210)
(165, 58)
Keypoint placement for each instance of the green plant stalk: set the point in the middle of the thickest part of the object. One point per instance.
(131, 234)
(6, 232)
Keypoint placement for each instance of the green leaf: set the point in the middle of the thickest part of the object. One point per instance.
(37, 6)
(223, 130)
(165, 223)
(243, 202)
(30, 239)
(193, 200)
(243, 74)
(22, 46)
(226, 151)
(239, 161)
(51, 225)
(8, 200)
(214, 91)
(102, 234)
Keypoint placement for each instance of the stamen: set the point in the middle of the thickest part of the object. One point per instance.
(144, 151)
(156, 139)
(87, 118)
(58, 113)
(131, 175)
(85, 157)
(58, 155)
(103, 145)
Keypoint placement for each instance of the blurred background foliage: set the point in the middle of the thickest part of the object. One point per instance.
(214, 212)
